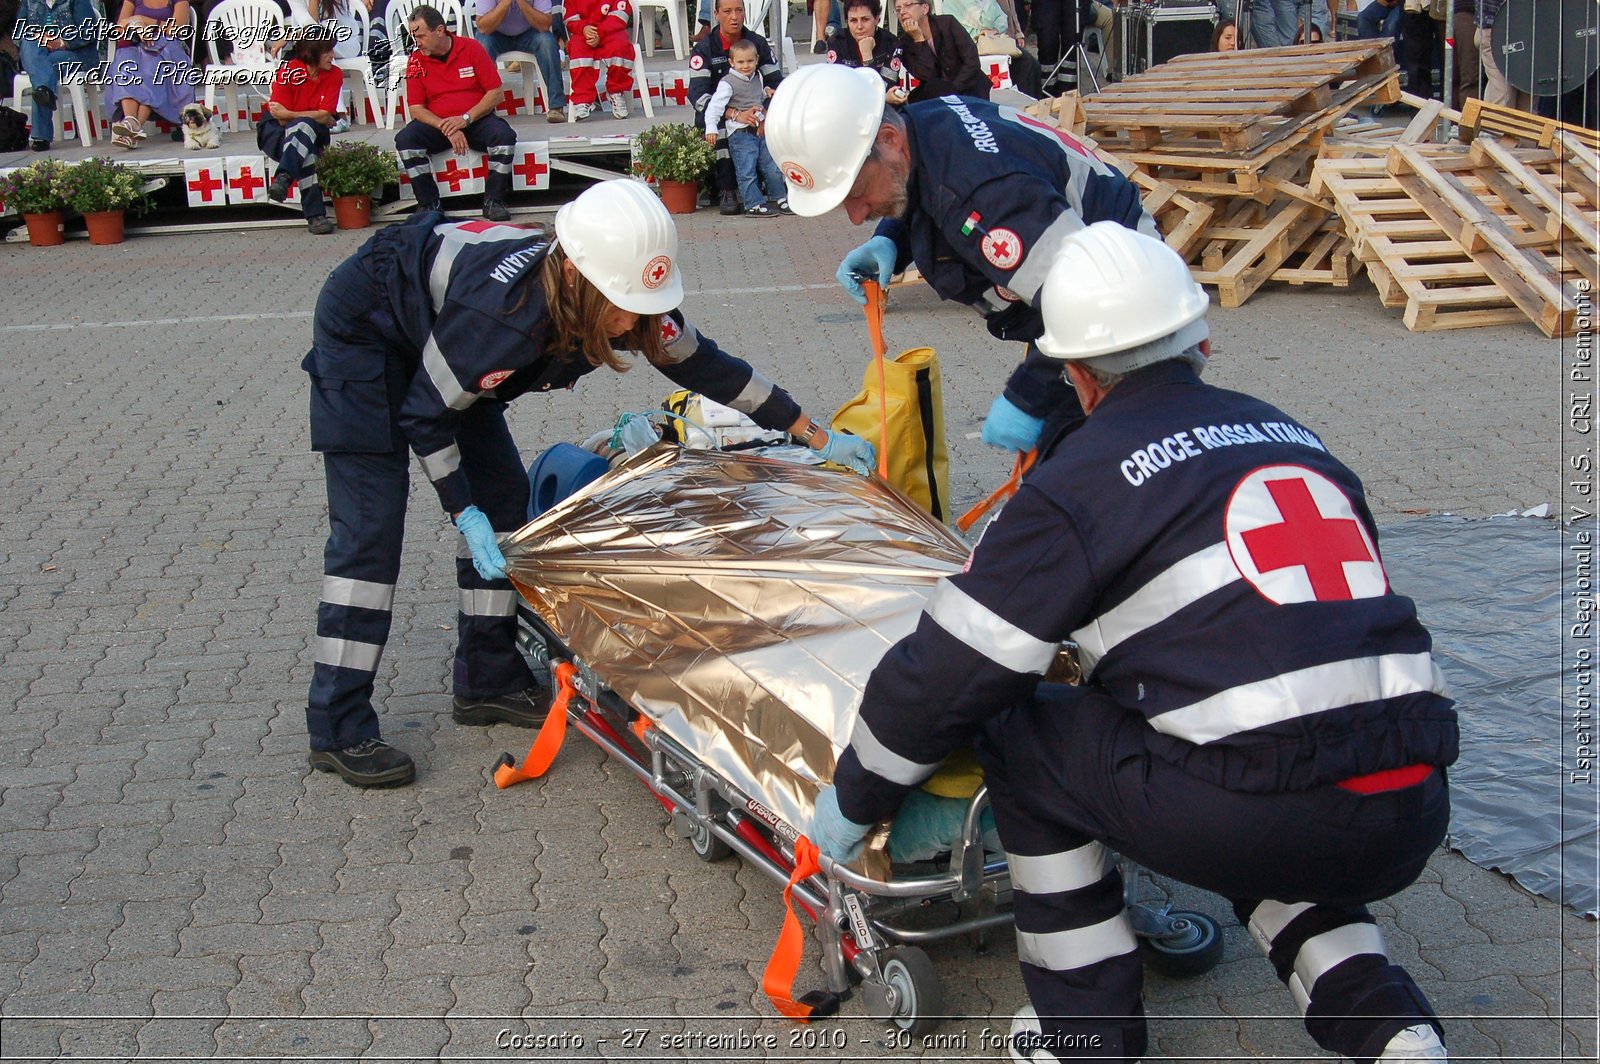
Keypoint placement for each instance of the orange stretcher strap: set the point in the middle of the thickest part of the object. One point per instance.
(784, 964)
(875, 308)
(548, 742)
(1001, 494)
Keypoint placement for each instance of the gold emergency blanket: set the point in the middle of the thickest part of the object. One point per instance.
(738, 601)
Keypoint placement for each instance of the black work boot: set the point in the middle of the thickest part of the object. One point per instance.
(371, 763)
(730, 203)
(278, 191)
(495, 211)
(524, 709)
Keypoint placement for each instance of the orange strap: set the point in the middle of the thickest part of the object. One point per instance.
(548, 742)
(875, 308)
(784, 964)
(1001, 494)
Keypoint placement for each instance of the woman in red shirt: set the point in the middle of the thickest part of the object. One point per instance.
(294, 127)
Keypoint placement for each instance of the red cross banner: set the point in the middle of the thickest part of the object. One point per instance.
(459, 175)
(206, 181)
(653, 81)
(675, 87)
(513, 104)
(530, 166)
(998, 70)
(248, 176)
(1295, 537)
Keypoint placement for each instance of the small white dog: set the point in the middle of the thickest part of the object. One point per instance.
(198, 132)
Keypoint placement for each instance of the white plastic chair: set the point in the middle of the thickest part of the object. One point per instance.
(83, 117)
(533, 74)
(677, 19)
(361, 67)
(257, 21)
(395, 17)
(639, 80)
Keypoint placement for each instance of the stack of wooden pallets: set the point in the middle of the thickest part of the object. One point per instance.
(1223, 145)
(1256, 172)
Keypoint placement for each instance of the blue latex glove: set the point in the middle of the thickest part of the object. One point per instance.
(852, 451)
(873, 260)
(835, 834)
(1008, 427)
(486, 556)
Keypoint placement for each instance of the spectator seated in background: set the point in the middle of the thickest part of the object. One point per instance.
(994, 28)
(339, 16)
(452, 90)
(708, 65)
(527, 26)
(865, 43)
(597, 36)
(939, 54)
(56, 38)
(150, 71)
(740, 99)
(294, 128)
(1226, 37)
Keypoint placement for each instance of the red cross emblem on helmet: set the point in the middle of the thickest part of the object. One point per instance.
(1295, 537)
(1003, 248)
(656, 272)
(670, 332)
(797, 175)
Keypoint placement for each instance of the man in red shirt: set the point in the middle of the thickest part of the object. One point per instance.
(452, 88)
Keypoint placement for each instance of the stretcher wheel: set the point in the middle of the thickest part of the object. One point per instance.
(1195, 946)
(918, 1001)
(707, 846)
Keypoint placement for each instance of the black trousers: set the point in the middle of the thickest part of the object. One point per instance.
(1070, 776)
(490, 134)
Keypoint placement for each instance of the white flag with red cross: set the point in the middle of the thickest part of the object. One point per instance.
(675, 87)
(998, 70)
(248, 178)
(206, 182)
(530, 166)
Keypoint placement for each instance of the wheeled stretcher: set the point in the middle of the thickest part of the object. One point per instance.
(709, 620)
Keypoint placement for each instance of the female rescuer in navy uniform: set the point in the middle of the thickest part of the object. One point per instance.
(421, 338)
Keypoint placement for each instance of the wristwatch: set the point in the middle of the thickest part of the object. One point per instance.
(467, 118)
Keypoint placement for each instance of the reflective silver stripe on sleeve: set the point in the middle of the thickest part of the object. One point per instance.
(441, 463)
(1301, 693)
(1065, 951)
(1029, 276)
(477, 602)
(1269, 918)
(687, 343)
(1181, 584)
(1057, 872)
(348, 654)
(879, 759)
(454, 237)
(444, 378)
(753, 394)
(365, 594)
(987, 632)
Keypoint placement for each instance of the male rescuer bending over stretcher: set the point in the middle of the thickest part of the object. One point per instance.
(1261, 715)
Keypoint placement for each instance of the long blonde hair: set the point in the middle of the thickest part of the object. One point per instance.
(578, 320)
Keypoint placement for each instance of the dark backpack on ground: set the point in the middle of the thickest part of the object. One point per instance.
(13, 130)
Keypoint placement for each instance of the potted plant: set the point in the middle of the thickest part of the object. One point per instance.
(674, 156)
(32, 190)
(102, 191)
(349, 173)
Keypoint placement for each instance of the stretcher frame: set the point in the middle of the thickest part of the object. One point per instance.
(862, 941)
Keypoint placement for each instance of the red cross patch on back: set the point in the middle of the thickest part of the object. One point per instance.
(1295, 537)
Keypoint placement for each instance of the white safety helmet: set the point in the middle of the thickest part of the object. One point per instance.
(621, 238)
(820, 127)
(1121, 298)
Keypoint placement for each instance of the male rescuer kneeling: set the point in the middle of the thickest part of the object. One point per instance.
(1261, 715)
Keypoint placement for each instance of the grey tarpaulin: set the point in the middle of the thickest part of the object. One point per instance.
(1490, 591)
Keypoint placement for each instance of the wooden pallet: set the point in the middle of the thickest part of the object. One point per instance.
(1240, 104)
(1352, 138)
(1482, 212)
(1478, 117)
(1411, 262)
(1251, 243)
(1328, 257)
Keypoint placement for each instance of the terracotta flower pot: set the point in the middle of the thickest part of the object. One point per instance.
(679, 196)
(44, 230)
(352, 212)
(105, 227)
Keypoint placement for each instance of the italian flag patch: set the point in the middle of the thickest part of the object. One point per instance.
(972, 223)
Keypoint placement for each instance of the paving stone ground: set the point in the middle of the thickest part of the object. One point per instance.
(173, 882)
